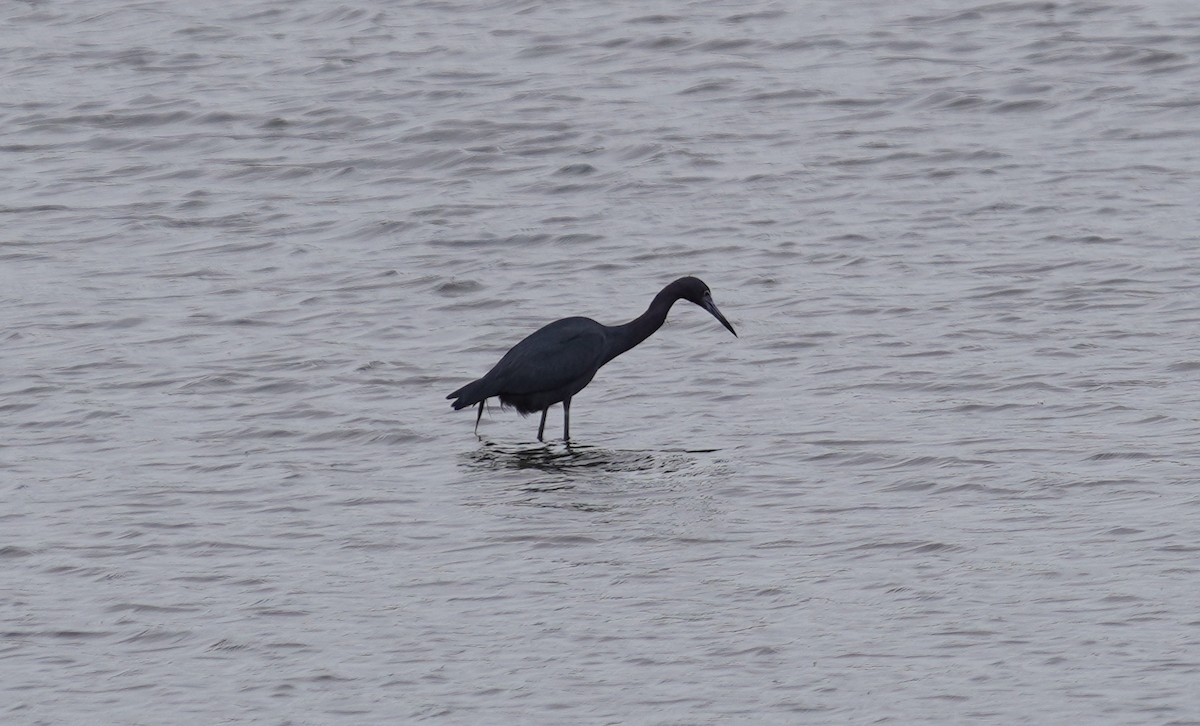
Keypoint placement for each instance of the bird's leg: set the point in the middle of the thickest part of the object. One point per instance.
(542, 425)
(479, 416)
(567, 418)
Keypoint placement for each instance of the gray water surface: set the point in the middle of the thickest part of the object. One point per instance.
(947, 474)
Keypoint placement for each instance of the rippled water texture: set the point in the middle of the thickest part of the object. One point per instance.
(947, 474)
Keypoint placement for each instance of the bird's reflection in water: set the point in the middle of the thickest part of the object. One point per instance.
(575, 476)
(568, 458)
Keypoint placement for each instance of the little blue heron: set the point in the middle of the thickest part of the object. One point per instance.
(556, 362)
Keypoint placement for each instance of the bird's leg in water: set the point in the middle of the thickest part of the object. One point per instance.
(567, 419)
(479, 416)
(542, 425)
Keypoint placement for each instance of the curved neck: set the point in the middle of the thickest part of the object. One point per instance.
(643, 326)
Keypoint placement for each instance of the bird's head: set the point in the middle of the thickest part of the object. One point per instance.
(695, 291)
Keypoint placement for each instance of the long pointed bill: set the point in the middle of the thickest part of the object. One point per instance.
(711, 307)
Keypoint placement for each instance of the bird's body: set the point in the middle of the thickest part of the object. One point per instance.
(547, 367)
(557, 361)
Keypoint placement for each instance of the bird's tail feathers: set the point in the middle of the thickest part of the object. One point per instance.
(471, 394)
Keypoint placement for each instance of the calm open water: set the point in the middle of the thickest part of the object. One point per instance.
(947, 474)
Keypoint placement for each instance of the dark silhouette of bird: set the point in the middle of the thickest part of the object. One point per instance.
(559, 360)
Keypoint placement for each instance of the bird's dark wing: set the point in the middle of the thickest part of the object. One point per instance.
(554, 357)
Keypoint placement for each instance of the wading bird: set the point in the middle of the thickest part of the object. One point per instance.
(556, 362)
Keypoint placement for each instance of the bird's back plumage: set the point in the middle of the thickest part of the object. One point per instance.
(551, 364)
